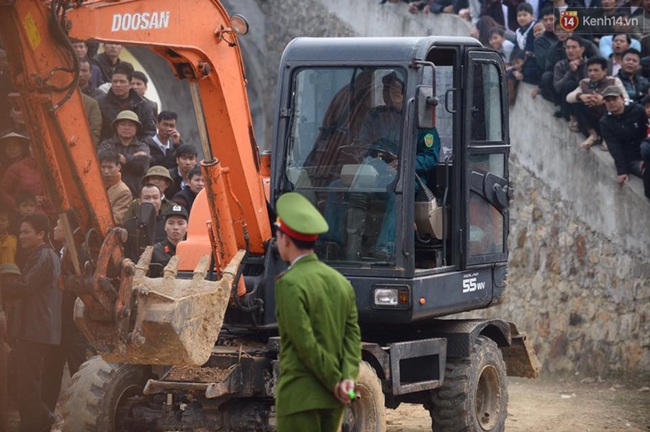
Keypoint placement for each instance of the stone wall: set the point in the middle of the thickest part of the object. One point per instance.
(582, 298)
(580, 271)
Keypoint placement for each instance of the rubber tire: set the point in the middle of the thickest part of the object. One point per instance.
(89, 403)
(369, 411)
(455, 404)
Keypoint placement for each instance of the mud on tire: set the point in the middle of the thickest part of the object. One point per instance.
(474, 395)
(100, 396)
(368, 413)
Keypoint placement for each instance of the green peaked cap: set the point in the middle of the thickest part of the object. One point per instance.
(300, 215)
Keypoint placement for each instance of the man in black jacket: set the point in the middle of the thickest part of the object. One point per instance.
(122, 97)
(85, 84)
(108, 60)
(175, 228)
(35, 327)
(542, 46)
(623, 128)
(188, 194)
(555, 53)
(163, 145)
(186, 159)
(141, 236)
(568, 73)
(635, 84)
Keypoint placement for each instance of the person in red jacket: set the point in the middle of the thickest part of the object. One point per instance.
(23, 176)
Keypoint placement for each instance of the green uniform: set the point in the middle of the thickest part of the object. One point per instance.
(320, 343)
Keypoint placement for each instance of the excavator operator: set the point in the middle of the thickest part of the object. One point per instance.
(381, 131)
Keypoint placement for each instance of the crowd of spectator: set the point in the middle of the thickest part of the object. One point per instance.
(583, 74)
(143, 161)
(136, 145)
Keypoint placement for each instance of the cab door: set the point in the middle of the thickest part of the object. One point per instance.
(486, 177)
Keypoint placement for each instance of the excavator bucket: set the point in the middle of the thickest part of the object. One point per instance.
(162, 321)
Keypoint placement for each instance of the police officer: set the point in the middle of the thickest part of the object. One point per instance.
(320, 342)
(175, 228)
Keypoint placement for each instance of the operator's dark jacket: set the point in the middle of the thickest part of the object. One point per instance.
(623, 135)
(37, 311)
(111, 107)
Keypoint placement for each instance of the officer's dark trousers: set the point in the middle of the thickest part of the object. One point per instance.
(30, 360)
(325, 420)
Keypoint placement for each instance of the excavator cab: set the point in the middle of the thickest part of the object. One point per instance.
(416, 195)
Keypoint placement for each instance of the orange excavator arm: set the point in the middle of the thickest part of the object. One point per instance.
(198, 42)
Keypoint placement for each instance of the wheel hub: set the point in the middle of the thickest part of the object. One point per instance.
(488, 398)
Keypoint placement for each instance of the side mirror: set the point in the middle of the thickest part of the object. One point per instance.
(426, 103)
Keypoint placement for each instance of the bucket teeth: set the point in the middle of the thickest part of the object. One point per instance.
(142, 267)
(201, 268)
(171, 269)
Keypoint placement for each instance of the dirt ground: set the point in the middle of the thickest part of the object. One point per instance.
(558, 405)
(549, 404)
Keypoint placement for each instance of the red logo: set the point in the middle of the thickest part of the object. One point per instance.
(569, 20)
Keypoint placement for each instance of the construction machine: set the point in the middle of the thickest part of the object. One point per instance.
(197, 349)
